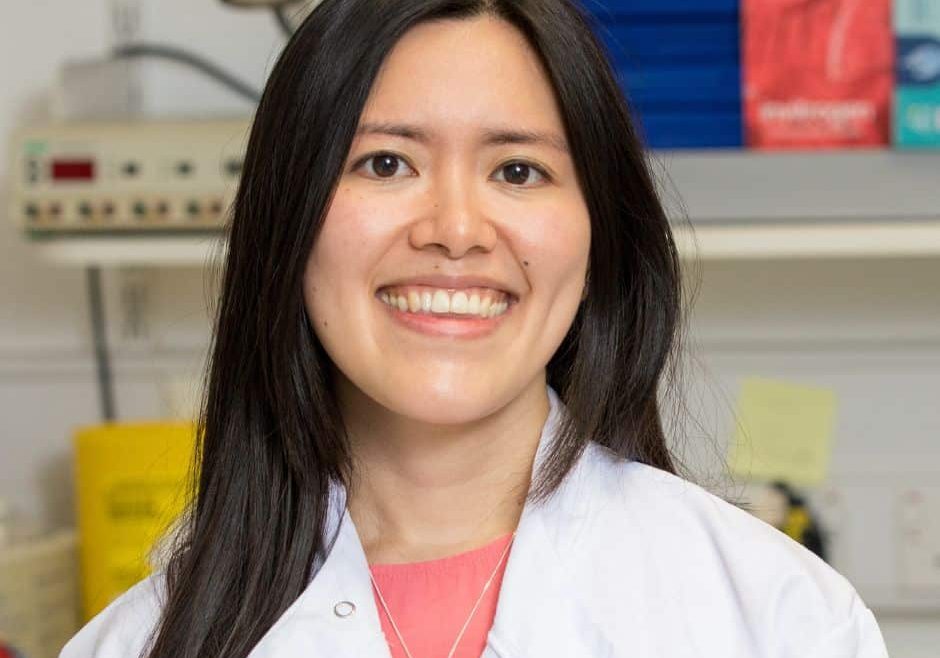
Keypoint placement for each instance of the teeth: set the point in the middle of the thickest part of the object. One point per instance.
(440, 301)
(458, 303)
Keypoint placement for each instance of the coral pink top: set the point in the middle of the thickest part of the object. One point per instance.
(430, 601)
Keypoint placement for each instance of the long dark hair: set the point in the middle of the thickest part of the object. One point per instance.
(270, 433)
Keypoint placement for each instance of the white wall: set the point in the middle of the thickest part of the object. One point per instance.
(42, 315)
(868, 329)
(45, 338)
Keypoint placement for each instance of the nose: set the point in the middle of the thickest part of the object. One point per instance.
(454, 223)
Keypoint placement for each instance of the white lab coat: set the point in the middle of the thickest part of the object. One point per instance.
(624, 561)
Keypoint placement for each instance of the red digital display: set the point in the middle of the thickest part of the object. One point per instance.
(73, 170)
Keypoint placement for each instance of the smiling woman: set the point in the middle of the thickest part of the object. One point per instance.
(445, 198)
(431, 424)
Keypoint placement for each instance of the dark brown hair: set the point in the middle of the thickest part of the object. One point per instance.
(270, 434)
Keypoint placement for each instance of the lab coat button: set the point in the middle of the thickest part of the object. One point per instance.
(344, 608)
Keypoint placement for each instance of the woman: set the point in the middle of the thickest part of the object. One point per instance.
(431, 425)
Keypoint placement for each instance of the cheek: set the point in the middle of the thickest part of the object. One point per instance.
(333, 262)
(555, 247)
(357, 231)
(321, 277)
(344, 226)
(349, 237)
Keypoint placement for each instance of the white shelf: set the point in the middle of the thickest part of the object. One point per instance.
(112, 251)
(708, 242)
(742, 205)
(810, 204)
(820, 240)
(867, 186)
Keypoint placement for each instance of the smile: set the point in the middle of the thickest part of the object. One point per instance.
(468, 302)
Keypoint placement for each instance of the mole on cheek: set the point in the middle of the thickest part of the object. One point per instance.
(526, 263)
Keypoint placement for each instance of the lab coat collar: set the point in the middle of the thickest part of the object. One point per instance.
(538, 611)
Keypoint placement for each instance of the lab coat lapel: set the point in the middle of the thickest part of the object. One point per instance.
(541, 610)
(320, 622)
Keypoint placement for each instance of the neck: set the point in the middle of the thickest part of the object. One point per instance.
(427, 491)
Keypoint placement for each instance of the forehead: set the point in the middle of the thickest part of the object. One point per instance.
(455, 74)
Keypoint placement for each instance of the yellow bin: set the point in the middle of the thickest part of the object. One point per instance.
(132, 481)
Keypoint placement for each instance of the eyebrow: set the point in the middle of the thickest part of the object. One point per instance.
(491, 137)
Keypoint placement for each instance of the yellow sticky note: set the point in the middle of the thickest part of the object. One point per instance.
(784, 432)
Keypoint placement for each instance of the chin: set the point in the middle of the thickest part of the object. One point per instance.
(445, 405)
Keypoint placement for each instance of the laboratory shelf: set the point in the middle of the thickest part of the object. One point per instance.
(725, 205)
(711, 241)
(131, 251)
(817, 240)
(802, 204)
(880, 186)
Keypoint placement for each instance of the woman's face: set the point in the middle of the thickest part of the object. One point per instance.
(452, 259)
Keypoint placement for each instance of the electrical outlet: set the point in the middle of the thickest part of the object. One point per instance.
(918, 533)
(834, 511)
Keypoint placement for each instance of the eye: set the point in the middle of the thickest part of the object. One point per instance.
(383, 165)
(519, 172)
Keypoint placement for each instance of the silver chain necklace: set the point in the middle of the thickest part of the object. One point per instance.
(465, 624)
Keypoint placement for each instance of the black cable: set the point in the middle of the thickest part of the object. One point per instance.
(99, 335)
(181, 56)
(280, 14)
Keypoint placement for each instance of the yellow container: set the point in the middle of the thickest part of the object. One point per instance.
(132, 481)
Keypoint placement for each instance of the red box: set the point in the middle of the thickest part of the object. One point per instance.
(817, 73)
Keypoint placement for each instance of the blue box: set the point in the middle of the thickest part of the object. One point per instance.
(605, 8)
(682, 84)
(683, 129)
(638, 43)
(679, 64)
